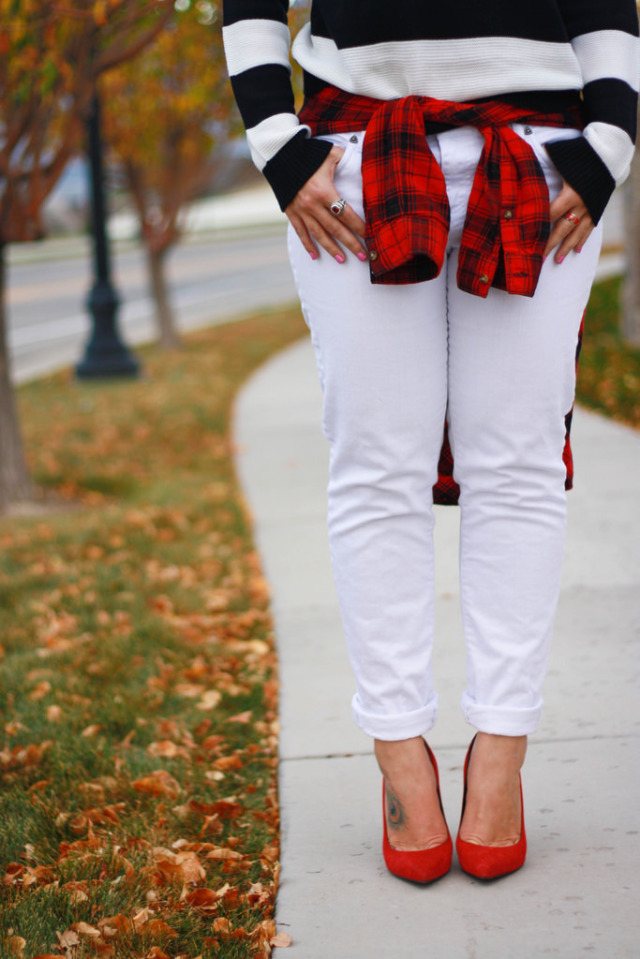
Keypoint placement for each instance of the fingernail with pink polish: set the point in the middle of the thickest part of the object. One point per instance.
(313, 254)
(339, 258)
(560, 260)
(363, 257)
(579, 249)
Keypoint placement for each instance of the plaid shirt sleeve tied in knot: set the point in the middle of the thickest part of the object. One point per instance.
(405, 197)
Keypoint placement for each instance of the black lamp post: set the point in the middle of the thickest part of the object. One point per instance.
(106, 355)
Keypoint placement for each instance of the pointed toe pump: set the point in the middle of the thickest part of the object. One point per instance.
(420, 865)
(490, 862)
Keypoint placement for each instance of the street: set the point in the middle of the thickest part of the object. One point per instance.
(212, 278)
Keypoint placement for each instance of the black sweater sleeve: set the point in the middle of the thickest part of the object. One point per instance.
(603, 34)
(256, 38)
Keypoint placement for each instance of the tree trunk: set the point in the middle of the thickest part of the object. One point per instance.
(15, 482)
(631, 286)
(169, 338)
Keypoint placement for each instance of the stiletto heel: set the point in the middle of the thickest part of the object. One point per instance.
(420, 865)
(490, 862)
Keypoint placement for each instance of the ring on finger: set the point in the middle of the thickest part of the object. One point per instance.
(338, 206)
(572, 218)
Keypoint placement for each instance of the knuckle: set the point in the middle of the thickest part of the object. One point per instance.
(307, 195)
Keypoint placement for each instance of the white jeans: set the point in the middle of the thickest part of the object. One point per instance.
(392, 362)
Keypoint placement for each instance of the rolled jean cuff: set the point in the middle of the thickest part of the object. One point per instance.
(501, 720)
(392, 727)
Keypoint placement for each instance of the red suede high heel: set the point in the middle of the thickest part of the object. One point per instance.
(419, 865)
(490, 862)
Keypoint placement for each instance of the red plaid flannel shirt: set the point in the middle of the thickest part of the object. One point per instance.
(405, 197)
(407, 209)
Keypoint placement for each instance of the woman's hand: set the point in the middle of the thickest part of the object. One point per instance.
(312, 219)
(566, 234)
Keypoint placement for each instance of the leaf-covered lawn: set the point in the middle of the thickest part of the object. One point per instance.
(138, 804)
(609, 369)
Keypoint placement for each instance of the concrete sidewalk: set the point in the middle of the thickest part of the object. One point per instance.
(578, 893)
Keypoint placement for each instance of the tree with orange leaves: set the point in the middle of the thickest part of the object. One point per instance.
(164, 115)
(51, 52)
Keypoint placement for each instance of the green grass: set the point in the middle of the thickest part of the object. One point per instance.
(609, 369)
(139, 681)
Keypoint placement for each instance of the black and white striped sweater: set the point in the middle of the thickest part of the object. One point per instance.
(533, 53)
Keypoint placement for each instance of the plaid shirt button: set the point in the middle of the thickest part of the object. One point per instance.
(484, 278)
(508, 214)
(373, 254)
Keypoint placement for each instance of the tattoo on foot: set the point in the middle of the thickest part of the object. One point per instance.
(395, 812)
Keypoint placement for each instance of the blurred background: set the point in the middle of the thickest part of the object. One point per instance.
(130, 210)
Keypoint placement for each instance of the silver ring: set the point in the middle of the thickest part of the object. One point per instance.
(338, 206)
